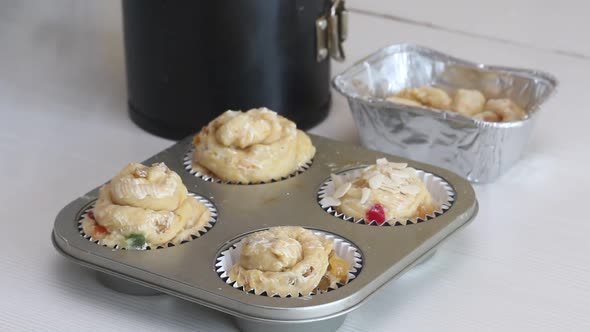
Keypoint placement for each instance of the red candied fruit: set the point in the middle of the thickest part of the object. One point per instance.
(91, 215)
(376, 213)
(99, 230)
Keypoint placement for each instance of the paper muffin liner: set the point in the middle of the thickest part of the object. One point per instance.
(343, 248)
(201, 232)
(188, 165)
(441, 192)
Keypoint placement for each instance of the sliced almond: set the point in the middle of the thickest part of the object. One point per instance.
(391, 181)
(337, 180)
(390, 189)
(410, 189)
(410, 171)
(376, 181)
(368, 175)
(394, 179)
(365, 195)
(329, 201)
(342, 190)
(399, 174)
(399, 165)
(382, 161)
(394, 183)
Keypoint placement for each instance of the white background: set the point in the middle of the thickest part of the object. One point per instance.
(523, 265)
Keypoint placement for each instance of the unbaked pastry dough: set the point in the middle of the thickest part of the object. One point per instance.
(404, 101)
(488, 116)
(468, 102)
(394, 186)
(506, 109)
(288, 261)
(145, 206)
(251, 147)
(427, 96)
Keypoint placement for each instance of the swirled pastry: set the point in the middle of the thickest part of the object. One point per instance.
(505, 109)
(251, 147)
(288, 261)
(488, 116)
(427, 96)
(468, 102)
(381, 192)
(404, 101)
(145, 206)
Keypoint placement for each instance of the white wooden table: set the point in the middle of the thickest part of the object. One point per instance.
(523, 264)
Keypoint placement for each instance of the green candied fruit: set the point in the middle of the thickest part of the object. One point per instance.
(136, 241)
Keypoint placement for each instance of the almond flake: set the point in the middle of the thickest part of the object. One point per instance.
(410, 171)
(388, 181)
(365, 195)
(399, 174)
(342, 190)
(376, 181)
(393, 180)
(390, 189)
(329, 201)
(398, 165)
(337, 180)
(392, 184)
(368, 175)
(382, 161)
(410, 189)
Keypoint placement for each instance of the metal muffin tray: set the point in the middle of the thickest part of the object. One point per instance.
(188, 270)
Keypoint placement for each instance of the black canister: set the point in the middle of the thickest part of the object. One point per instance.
(189, 61)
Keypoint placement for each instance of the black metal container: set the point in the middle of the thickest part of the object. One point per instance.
(189, 61)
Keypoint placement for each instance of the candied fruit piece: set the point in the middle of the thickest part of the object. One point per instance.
(324, 284)
(136, 241)
(339, 268)
(100, 230)
(376, 213)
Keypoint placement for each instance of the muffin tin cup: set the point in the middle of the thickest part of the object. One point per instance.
(189, 166)
(210, 223)
(343, 248)
(441, 192)
(189, 271)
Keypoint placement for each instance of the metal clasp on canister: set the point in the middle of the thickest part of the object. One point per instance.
(331, 32)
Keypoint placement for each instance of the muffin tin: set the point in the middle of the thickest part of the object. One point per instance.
(189, 270)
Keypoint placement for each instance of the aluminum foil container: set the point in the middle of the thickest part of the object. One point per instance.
(479, 151)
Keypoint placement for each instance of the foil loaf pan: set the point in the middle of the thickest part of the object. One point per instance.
(479, 151)
(195, 270)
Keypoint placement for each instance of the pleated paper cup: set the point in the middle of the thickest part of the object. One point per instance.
(342, 247)
(200, 172)
(187, 238)
(441, 192)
